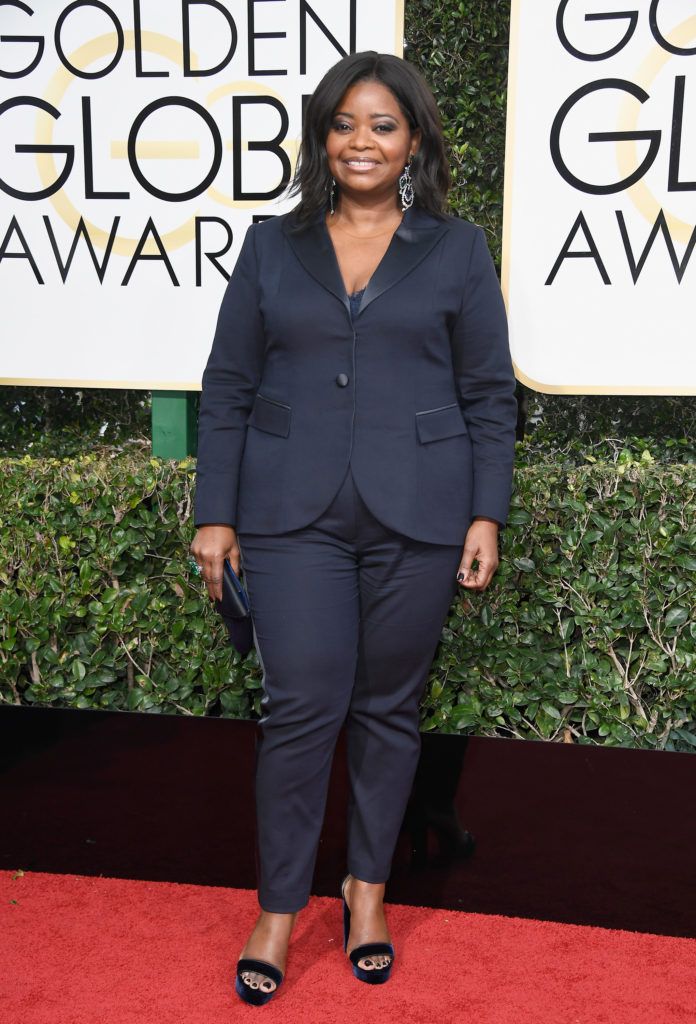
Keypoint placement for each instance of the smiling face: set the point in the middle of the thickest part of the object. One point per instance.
(369, 141)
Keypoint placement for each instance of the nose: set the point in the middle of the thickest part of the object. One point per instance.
(362, 138)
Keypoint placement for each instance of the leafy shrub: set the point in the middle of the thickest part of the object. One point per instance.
(585, 634)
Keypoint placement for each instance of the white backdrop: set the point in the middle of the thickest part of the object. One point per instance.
(609, 321)
(159, 161)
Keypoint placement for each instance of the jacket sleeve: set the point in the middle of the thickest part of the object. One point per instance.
(229, 385)
(486, 383)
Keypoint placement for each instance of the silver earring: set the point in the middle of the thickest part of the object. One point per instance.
(406, 186)
(332, 197)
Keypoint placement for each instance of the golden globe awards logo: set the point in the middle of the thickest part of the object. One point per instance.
(216, 119)
(600, 195)
(138, 140)
(633, 169)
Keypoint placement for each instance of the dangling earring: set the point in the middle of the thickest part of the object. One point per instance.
(332, 197)
(406, 186)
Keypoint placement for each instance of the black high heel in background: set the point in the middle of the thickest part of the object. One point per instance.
(432, 807)
(454, 842)
(377, 975)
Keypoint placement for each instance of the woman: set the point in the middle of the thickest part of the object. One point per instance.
(355, 456)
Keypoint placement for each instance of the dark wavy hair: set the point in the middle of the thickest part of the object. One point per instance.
(429, 167)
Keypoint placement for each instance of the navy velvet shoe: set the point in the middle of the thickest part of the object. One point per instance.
(375, 975)
(256, 996)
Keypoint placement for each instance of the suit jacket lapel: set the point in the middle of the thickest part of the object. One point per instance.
(316, 253)
(411, 242)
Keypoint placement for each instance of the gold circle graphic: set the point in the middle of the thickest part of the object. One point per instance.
(100, 46)
(640, 195)
(291, 146)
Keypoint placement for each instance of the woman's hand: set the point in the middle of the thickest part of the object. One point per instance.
(481, 544)
(212, 544)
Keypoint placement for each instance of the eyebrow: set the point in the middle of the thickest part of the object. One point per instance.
(345, 113)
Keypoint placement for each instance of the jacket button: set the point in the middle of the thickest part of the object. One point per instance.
(342, 380)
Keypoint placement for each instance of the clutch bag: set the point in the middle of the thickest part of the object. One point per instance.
(235, 610)
(235, 600)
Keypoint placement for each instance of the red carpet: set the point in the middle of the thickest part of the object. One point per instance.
(78, 950)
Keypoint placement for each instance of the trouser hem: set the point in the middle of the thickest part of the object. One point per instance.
(283, 903)
(368, 875)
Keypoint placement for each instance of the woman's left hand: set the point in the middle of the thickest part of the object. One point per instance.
(481, 544)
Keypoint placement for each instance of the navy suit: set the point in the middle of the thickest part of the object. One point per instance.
(351, 453)
(418, 395)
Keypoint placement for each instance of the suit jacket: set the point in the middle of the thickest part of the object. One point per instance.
(418, 392)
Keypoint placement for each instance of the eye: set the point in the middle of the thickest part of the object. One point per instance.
(384, 128)
(338, 126)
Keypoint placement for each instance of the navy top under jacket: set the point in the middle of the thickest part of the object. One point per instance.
(417, 391)
(355, 299)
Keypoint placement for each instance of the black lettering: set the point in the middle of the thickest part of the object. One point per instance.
(39, 40)
(150, 229)
(138, 41)
(81, 230)
(674, 184)
(87, 146)
(306, 97)
(214, 255)
(253, 34)
(660, 225)
(67, 151)
(174, 101)
(120, 41)
(665, 43)
(630, 16)
(305, 10)
(271, 146)
(14, 229)
(653, 138)
(190, 72)
(592, 252)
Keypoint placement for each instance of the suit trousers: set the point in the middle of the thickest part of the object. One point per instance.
(347, 616)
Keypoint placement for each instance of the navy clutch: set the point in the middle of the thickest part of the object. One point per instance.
(235, 610)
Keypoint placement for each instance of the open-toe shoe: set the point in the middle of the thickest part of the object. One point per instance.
(256, 996)
(374, 975)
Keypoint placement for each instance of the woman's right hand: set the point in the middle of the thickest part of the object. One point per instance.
(212, 544)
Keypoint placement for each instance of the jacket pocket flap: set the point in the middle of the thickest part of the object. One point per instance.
(434, 424)
(271, 416)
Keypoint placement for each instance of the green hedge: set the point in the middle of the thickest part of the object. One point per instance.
(462, 50)
(585, 634)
